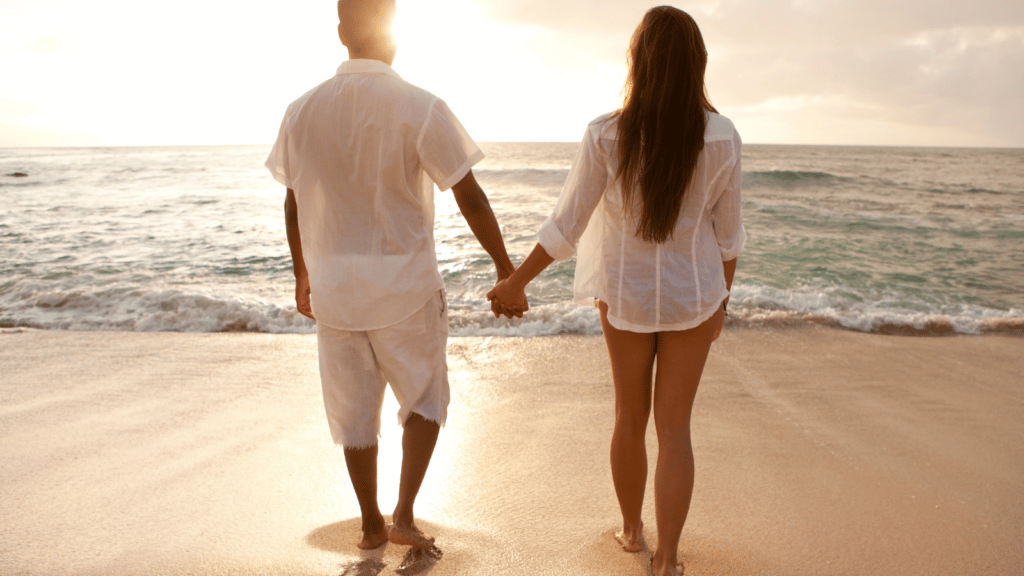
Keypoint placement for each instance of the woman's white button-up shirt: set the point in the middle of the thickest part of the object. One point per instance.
(648, 287)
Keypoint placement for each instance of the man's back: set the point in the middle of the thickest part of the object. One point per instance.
(362, 152)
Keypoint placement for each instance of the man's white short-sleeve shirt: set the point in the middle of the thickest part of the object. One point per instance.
(362, 152)
(649, 287)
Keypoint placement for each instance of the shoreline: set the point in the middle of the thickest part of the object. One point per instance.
(762, 322)
(818, 450)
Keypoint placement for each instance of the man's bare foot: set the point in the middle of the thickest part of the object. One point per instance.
(666, 569)
(374, 535)
(411, 536)
(373, 540)
(631, 542)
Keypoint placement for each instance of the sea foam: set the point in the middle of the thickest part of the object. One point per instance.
(172, 309)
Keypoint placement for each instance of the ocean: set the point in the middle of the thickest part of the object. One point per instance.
(912, 241)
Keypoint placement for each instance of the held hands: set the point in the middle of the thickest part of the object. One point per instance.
(509, 296)
(508, 299)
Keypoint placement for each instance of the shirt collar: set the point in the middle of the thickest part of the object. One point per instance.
(366, 66)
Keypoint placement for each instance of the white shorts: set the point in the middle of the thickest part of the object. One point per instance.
(355, 366)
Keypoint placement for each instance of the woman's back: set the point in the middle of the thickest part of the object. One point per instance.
(649, 286)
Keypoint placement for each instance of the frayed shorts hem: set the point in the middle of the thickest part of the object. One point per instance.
(356, 367)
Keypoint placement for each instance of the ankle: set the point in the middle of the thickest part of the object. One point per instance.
(402, 519)
(373, 522)
(632, 528)
(664, 565)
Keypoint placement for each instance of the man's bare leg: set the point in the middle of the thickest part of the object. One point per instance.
(418, 443)
(362, 469)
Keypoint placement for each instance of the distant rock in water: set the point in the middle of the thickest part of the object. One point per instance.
(17, 175)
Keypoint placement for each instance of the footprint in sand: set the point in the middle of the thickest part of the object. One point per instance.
(418, 560)
(364, 567)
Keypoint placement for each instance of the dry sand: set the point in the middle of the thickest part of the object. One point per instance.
(819, 452)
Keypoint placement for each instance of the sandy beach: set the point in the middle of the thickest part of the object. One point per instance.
(819, 452)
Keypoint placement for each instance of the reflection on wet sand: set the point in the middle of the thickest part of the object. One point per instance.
(416, 561)
(363, 567)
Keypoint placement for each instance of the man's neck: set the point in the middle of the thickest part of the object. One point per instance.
(371, 54)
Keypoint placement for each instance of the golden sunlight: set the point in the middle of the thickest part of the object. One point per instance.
(488, 71)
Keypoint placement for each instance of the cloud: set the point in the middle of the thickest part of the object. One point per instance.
(776, 22)
(964, 78)
(923, 67)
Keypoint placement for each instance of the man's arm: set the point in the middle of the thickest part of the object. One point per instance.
(291, 223)
(476, 209)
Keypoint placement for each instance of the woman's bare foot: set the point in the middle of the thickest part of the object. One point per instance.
(631, 541)
(411, 536)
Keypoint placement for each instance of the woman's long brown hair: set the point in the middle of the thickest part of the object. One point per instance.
(662, 122)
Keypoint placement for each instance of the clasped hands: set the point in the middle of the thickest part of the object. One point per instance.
(508, 299)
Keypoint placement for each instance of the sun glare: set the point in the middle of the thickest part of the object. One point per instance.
(449, 45)
(424, 24)
(497, 77)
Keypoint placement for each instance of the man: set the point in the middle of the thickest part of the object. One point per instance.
(360, 155)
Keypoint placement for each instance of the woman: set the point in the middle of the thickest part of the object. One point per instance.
(653, 203)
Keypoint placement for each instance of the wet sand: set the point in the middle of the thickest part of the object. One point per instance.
(818, 452)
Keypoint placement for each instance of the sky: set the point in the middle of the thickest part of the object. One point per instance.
(195, 72)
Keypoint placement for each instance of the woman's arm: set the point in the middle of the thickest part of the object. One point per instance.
(730, 271)
(557, 237)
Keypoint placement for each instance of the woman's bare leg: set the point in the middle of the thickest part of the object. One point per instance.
(632, 361)
(681, 357)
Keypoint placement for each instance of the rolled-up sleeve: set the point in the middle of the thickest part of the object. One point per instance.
(727, 215)
(580, 195)
(445, 147)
